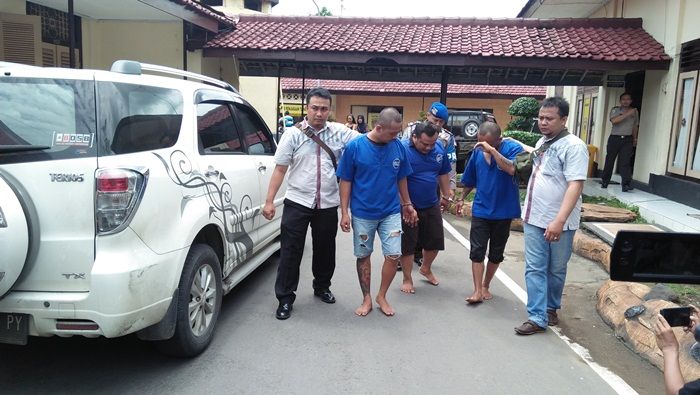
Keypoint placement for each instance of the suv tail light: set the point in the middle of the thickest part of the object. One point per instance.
(118, 194)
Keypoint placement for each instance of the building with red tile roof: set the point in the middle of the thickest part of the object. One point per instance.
(667, 153)
(413, 88)
(477, 51)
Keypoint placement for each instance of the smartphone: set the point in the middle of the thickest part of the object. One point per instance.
(677, 316)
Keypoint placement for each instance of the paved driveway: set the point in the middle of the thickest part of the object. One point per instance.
(434, 344)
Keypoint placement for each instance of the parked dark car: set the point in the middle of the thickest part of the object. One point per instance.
(464, 125)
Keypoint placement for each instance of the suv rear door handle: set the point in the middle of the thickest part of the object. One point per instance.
(262, 167)
(212, 173)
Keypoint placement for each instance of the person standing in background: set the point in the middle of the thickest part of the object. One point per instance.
(350, 122)
(621, 143)
(361, 124)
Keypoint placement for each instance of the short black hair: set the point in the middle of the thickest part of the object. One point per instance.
(319, 92)
(426, 128)
(559, 102)
(388, 116)
(490, 128)
(625, 94)
(286, 113)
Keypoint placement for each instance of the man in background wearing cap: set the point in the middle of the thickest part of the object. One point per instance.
(437, 115)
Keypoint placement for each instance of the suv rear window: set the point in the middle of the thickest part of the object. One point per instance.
(46, 119)
(135, 118)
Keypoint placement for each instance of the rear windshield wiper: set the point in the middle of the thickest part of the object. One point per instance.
(4, 149)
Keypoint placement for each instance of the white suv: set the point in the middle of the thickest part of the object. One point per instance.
(129, 202)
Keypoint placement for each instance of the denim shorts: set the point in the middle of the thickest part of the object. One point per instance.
(389, 229)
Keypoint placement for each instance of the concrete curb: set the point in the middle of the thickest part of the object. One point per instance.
(614, 297)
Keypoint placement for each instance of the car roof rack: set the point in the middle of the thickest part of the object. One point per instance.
(13, 64)
(136, 68)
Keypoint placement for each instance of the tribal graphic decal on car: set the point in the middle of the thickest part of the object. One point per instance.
(219, 194)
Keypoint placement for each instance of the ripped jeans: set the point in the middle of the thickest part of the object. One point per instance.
(389, 229)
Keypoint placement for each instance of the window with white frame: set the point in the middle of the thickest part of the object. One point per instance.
(684, 153)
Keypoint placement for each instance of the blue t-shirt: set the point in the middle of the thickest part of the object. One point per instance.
(288, 121)
(497, 194)
(423, 182)
(374, 170)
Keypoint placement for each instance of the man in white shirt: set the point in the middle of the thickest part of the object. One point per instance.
(551, 215)
(312, 199)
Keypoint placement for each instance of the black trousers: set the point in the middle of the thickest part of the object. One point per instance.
(619, 147)
(295, 223)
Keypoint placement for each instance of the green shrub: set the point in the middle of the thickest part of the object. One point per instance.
(525, 107)
(528, 138)
(525, 110)
(519, 124)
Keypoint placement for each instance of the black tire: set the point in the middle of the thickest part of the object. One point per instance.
(202, 263)
(470, 129)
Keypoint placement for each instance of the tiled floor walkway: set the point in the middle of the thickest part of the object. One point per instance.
(655, 209)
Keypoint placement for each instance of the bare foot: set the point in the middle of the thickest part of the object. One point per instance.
(385, 307)
(365, 308)
(475, 298)
(487, 295)
(407, 287)
(429, 276)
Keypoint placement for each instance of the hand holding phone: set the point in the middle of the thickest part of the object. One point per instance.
(677, 316)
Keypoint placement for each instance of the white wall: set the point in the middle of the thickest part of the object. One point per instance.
(655, 125)
(13, 6)
(105, 41)
(261, 92)
(670, 22)
(237, 7)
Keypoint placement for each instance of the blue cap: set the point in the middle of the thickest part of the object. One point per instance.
(439, 110)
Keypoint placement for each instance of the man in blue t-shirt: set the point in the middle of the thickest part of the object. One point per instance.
(496, 203)
(437, 115)
(431, 167)
(372, 174)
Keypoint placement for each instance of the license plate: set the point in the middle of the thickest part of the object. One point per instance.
(14, 328)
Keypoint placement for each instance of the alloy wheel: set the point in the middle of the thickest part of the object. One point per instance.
(203, 292)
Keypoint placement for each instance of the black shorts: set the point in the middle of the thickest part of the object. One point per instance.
(493, 232)
(429, 231)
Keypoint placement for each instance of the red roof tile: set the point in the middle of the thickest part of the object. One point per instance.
(611, 39)
(206, 11)
(336, 86)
